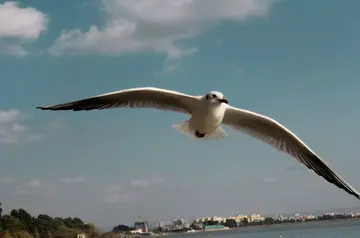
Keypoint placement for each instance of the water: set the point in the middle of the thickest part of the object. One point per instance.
(325, 229)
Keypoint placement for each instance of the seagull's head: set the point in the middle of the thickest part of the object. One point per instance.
(215, 97)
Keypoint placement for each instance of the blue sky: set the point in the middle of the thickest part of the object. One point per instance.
(296, 61)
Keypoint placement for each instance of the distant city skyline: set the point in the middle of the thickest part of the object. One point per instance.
(251, 217)
(295, 61)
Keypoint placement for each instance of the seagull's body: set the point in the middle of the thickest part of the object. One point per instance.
(205, 120)
(208, 112)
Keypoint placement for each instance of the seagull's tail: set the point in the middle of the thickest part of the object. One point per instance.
(186, 129)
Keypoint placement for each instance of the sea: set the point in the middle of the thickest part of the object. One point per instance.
(323, 229)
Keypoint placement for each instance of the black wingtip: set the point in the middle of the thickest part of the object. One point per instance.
(42, 108)
(355, 194)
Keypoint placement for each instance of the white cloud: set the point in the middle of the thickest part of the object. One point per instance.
(155, 25)
(34, 137)
(34, 187)
(169, 67)
(9, 116)
(237, 69)
(16, 50)
(117, 193)
(239, 72)
(35, 183)
(11, 129)
(129, 191)
(21, 191)
(146, 182)
(56, 124)
(20, 23)
(77, 179)
(6, 180)
(18, 128)
(219, 42)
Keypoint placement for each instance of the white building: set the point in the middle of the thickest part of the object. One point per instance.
(81, 235)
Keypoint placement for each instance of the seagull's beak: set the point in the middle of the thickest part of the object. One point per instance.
(224, 100)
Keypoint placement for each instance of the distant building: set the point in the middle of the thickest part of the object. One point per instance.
(179, 222)
(238, 218)
(255, 218)
(165, 225)
(81, 235)
(142, 225)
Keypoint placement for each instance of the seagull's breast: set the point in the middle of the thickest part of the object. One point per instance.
(207, 118)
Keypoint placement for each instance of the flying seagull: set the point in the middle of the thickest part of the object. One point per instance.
(207, 113)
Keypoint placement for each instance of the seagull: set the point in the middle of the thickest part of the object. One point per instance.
(208, 113)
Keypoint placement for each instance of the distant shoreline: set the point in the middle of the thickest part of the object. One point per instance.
(253, 226)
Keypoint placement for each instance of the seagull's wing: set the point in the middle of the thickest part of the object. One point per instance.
(278, 136)
(146, 97)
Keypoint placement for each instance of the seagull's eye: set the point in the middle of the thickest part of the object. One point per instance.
(214, 95)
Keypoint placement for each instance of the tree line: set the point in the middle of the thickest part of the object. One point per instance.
(20, 224)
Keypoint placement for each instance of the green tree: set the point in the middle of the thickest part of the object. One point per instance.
(78, 222)
(196, 226)
(9, 223)
(230, 223)
(1, 229)
(245, 221)
(14, 213)
(24, 216)
(269, 221)
(20, 224)
(121, 228)
(69, 222)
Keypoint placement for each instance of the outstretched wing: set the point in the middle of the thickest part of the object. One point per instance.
(147, 97)
(278, 136)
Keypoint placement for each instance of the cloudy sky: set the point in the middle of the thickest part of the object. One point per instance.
(297, 61)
